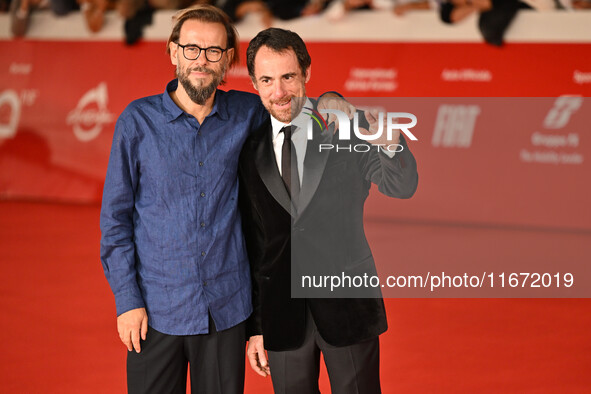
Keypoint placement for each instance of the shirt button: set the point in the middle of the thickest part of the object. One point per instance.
(200, 164)
(202, 253)
(202, 224)
(202, 194)
(199, 133)
(205, 283)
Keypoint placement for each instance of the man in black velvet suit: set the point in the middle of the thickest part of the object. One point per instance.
(302, 210)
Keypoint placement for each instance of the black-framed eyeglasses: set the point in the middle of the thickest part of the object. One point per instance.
(192, 52)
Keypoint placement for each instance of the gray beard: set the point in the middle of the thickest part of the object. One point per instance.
(200, 95)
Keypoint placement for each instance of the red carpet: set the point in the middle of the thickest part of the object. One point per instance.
(59, 334)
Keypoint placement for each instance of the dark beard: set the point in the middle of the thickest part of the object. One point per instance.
(200, 95)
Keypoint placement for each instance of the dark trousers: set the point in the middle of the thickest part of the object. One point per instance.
(353, 369)
(216, 363)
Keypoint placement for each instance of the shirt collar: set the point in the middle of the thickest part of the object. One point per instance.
(220, 106)
(299, 122)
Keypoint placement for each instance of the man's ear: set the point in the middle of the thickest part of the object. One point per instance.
(254, 84)
(230, 54)
(308, 74)
(173, 48)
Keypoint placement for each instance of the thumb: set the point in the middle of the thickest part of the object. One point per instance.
(144, 327)
(262, 357)
(330, 118)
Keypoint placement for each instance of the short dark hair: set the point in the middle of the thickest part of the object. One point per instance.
(205, 13)
(278, 40)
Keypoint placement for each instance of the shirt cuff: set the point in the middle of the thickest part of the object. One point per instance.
(128, 301)
(387, 152)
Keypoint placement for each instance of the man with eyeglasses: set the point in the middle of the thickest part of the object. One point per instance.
(172, 247)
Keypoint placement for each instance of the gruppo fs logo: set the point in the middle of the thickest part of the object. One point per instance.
(376, 137)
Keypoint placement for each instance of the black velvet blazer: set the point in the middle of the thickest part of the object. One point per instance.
(323, 235)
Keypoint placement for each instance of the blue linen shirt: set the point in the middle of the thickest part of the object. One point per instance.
(171, 231)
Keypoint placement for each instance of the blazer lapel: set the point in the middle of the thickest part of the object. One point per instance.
(314, 164)
(266, 165)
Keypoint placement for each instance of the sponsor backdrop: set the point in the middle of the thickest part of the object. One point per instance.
(480, 161)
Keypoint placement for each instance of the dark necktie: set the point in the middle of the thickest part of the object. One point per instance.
(289, 164)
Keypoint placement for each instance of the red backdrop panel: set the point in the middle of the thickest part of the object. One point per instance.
(59, 102)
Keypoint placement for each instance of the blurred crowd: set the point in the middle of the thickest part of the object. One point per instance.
(494, 16)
